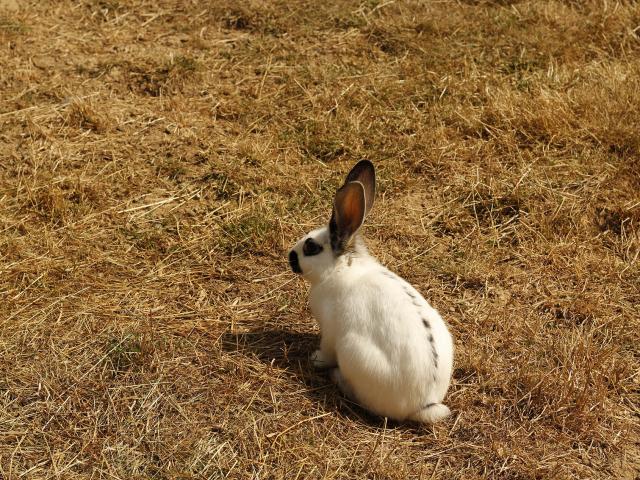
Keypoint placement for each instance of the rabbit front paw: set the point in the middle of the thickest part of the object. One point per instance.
(321, 360)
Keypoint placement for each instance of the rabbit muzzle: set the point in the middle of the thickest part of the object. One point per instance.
(294, 262)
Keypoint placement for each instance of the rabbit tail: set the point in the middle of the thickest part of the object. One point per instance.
(432, 413)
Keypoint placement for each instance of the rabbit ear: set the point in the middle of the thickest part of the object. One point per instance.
(348, 214)
(365, 173)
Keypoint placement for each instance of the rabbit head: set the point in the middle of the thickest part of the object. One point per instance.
(321, 250)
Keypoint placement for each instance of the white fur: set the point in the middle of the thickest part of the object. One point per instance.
(372, 329)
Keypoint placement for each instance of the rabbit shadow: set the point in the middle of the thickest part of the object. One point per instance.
(290, 351)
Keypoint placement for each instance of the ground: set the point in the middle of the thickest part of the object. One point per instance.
(158, 159)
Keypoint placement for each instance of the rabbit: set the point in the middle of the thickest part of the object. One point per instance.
(389, 350)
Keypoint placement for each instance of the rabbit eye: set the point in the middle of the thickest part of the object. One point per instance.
(311, 248)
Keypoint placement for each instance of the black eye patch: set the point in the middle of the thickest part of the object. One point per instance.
(311, 248)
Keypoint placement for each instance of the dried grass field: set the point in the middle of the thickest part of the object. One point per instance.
(159, 158)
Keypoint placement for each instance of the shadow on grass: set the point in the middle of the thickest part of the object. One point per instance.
(289, 351)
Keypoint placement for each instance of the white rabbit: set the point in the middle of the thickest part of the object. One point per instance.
(389, 349)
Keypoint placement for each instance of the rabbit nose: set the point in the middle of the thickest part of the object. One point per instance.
(293, 262)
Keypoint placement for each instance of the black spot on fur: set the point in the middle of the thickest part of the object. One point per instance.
(426, 323)
(434, 354)
(414, 298)
(294, 263)
(311, 248)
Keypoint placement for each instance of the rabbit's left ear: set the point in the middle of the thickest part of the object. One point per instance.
(365, 173)
(348, 214)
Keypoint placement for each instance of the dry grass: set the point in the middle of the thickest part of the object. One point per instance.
(158, 158)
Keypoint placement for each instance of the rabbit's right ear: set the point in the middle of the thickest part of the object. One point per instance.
(365, 173)
(349, 208)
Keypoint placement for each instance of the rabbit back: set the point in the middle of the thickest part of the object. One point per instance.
(391, 346)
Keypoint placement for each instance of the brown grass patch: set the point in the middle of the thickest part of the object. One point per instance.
(157, 159)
